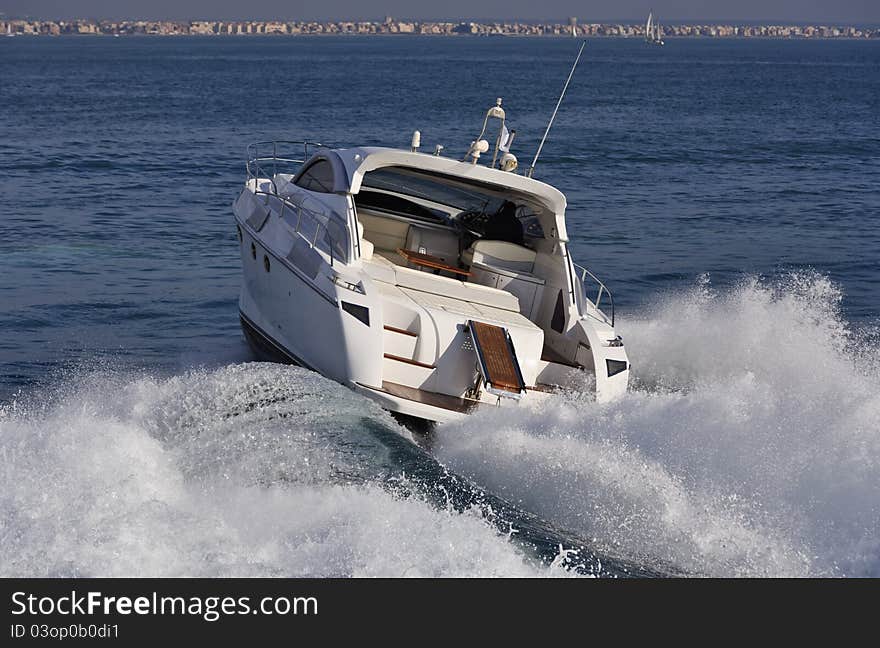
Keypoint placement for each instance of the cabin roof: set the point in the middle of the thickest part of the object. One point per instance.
(357, 162)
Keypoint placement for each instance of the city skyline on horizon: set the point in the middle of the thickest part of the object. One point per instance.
(389, 25)
(681, 11)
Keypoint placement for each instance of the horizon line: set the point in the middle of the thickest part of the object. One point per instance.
(548, 20)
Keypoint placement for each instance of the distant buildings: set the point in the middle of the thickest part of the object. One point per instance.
(392, 26)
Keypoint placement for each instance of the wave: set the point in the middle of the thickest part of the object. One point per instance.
(748, 446)
(249, 470)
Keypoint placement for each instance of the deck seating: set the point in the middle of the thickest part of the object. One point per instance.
(386, 235)
(381, 237)
(367, 247)
(455, 289)
(502, 255)
(440, 243)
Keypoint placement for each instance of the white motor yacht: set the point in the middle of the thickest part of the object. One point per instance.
(433, 285)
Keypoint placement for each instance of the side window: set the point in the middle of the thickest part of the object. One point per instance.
(318, 177)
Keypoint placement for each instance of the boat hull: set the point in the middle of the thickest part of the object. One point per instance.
(286, 319)
(418, 403)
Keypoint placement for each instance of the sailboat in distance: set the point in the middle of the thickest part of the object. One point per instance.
(653, 35)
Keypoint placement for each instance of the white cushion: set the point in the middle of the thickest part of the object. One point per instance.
(384, 233)
(431, 283)
(366, 246)
(500, 254)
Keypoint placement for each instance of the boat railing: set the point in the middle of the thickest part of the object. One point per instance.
(602, 292)
(314, 227)
(268, 159)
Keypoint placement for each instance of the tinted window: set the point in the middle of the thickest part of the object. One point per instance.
(397, 205)
(435, 188)
(318, 177)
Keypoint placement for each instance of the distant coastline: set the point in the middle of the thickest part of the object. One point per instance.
(28, 27)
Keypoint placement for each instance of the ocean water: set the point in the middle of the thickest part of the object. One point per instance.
(728, 192)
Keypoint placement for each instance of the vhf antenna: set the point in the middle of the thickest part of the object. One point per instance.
(555, 110)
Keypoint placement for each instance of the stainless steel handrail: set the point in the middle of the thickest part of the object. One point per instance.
(254, 160)
(299, 209)
(603, 290)
(256, 168)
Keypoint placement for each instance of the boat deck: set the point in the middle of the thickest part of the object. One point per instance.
(468, 309)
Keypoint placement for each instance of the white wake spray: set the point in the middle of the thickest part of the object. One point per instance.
(750, 444)
(250, 470)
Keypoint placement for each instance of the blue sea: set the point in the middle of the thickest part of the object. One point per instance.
(727, 191)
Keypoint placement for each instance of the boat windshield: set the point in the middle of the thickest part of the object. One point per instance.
(479, 207)
(428, 186)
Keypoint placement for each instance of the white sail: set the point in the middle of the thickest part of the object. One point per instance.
(653, 33)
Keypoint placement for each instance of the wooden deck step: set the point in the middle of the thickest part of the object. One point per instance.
(497, 359)
(400, 331)
(399, 342)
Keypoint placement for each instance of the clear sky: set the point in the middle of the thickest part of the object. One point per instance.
(843, 11)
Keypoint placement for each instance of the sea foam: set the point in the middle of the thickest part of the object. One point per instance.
(249, 470)
(749, 444)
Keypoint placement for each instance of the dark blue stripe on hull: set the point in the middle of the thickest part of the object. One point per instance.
(265, 347)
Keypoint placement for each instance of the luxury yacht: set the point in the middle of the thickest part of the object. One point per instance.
(433, 285)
